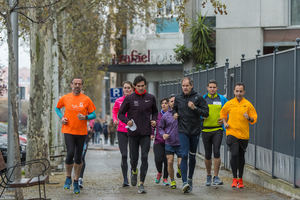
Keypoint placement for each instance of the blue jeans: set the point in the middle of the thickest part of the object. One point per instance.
(189, 144)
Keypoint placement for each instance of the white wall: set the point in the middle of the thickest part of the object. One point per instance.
(233, 42)
(241, 31)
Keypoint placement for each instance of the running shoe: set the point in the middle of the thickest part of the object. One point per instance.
(158, 177)
(141, 189)
(134, 177)
(190, 182)
(208, 180)
(234, 183)
(165, 182)
(217, 181)
(185, 187)
(80, 182)
(173, 184)
(125, 184)
(76, 187)
(68, 183)
(240, 183)
(178, 174)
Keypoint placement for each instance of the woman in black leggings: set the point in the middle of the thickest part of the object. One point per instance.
(122, 131)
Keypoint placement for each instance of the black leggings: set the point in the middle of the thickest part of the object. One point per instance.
(212, 140)
(160, 159)
(123, 146)
(74, 145)
(237, 149)
(135, 142)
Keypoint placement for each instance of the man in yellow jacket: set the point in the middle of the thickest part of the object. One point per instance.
(237, 114)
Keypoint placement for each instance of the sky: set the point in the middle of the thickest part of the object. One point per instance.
(24, 55)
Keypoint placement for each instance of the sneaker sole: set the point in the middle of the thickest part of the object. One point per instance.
(186, 189)
(173, 187)
(141, 192)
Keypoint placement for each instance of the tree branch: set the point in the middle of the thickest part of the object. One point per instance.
(34, 7)
(32, 20)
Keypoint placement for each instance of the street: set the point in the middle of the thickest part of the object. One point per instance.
(102, 181)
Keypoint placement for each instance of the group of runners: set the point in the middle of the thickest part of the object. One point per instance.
(176, 129)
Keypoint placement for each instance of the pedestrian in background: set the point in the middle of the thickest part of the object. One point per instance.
(159, 147)
(97, 130)
(189, 107)
(112, 132)
(122, 131)
(105, 131)
(237, 114)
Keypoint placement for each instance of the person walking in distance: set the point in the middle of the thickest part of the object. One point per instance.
(168, 129)
(78, 109)
(122, 132)
(142, 112)
(189, 107)
(237, 114)
(212, 132)
(97, 130)
(112, 132)
(159, 148)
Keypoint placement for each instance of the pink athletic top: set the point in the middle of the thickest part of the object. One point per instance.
(115, 111)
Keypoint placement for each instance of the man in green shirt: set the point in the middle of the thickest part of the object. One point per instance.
(212, 132)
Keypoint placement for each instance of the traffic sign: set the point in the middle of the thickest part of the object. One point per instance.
(115, 93)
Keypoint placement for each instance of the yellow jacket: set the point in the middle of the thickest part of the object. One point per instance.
(238, 124)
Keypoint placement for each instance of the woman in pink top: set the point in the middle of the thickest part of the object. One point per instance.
(122, 131)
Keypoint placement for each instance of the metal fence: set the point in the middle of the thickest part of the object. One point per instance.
(273, 86)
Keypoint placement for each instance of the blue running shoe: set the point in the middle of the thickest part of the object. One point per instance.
(68, 183)
(76, 187)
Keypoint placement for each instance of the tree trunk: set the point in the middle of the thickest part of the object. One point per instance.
(40, 109)
(13, 90)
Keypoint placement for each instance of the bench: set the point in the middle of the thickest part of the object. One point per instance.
(6, 174)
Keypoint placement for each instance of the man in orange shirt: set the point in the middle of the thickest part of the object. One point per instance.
(78, 109)
(237, 114)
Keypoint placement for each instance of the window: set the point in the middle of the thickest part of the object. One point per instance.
(295, 12)
(167, 25)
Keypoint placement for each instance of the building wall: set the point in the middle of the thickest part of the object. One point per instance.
(241, 30)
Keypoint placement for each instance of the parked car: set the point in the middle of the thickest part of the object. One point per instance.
(3, 147)
(3, 142)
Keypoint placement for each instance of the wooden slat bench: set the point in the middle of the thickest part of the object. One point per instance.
(6, 173)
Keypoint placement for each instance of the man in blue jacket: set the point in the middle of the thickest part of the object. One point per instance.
(212, 132)
(141, 110)
(189, 107)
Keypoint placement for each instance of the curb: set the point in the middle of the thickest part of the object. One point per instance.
(263, 179)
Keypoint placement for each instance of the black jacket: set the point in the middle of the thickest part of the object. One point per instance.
(189, 121)
(142, 109)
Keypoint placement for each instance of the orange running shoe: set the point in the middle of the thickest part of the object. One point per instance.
(240, 183)
(234, 182)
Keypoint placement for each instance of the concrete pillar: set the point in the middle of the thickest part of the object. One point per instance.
(153, 88)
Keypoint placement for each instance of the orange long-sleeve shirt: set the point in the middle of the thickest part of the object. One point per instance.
(238, 124)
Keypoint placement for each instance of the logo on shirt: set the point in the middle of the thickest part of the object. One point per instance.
(146, 101)
(217, 103)
(135, 103)
(77, 106)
